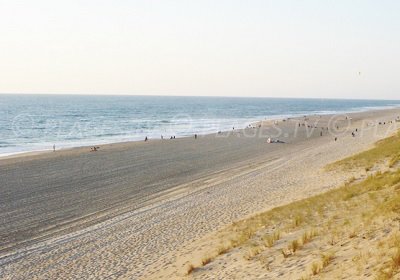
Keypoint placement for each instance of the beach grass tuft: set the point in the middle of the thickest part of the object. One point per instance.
(327, 258)
(315, 268)
(308, 236)
(270, 239)
(294, 245)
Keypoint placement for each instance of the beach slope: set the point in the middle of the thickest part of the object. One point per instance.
(132, 210)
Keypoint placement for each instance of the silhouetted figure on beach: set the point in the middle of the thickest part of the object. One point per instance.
(145, 139)
(54, 147)
(195, 136)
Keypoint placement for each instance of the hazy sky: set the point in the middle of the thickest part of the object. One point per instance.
(230, 48)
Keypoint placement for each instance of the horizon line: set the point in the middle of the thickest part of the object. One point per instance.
(209, 96)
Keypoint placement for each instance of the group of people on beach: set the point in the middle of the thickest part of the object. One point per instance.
(269, 139)
(353, 133)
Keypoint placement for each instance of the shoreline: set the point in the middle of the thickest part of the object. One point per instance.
(40, 152)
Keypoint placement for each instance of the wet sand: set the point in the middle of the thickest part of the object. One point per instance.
(128, 210)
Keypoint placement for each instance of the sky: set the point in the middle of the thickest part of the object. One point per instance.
(299, 48)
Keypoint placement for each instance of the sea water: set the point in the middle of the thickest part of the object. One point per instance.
(37, 122)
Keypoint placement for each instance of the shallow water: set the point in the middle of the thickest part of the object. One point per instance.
(36, 122)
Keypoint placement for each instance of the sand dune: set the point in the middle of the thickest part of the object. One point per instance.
(132, 210)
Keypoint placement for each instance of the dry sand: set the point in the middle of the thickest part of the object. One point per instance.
(133, 210)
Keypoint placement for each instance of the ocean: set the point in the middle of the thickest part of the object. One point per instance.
(37, 122)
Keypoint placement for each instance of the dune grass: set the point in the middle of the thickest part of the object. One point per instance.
(308, 236)
(315, 268)
(326, 258)
(332, 216)
(386, 149)
(270, 239)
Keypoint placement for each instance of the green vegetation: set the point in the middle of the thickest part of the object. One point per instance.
(387, 149)
(334, 216)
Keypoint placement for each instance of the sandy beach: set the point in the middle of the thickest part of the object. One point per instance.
(134, 210)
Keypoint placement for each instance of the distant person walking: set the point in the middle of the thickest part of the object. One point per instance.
(54, 147)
